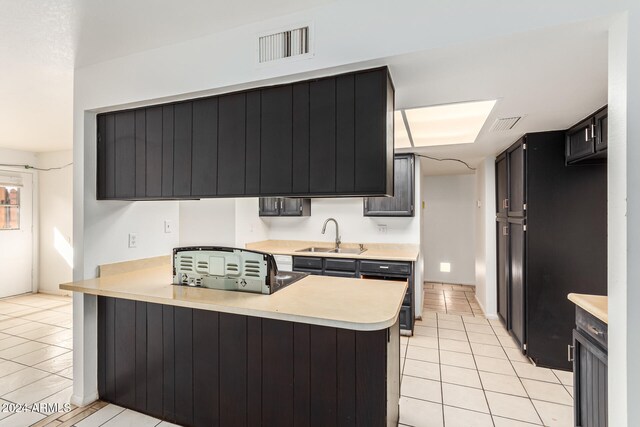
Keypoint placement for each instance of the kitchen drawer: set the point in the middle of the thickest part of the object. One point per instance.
(382, 267)
(591, 326)
(307, 262)
(340, 264)
(340, 273)
(405, 317)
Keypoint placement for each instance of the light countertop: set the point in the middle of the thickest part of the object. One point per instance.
(356, 304)
(594, 304)
(381, 251)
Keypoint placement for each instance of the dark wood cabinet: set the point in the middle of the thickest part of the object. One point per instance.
(586, 142)
(502, 186)
(590, 362)
(331, 136)
(281, 206)
(557, 245)
(402, 202)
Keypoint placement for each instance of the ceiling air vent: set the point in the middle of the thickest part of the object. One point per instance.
(505, 123)
(283, 45)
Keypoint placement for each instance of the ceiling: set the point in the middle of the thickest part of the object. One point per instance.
(552, 78)
(41, 41)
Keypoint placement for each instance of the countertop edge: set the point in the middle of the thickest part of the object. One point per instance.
(586, 302)
(235, 310)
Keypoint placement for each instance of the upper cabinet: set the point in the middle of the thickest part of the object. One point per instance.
(402, 202)
(586, 142)
(325, 137)
(280, 206)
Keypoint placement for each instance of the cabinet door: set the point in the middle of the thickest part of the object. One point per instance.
(231, 144)
(294, 207)
(276, 141)
(167, 150)
(502, 244)
(106, 156)
(402, 203)
(141, 152)
(516, 156)
(183, 122)
(602, 130)
(373, 113)
(589, 382)
(345, 133)
(322, 136)
(501, 186)
(517, 282)
(205, 147)
(580, 140)
(269, 206)
(301, 138)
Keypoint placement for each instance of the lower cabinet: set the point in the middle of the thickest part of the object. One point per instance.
(281, 206)
(365, 269)
(590, 370)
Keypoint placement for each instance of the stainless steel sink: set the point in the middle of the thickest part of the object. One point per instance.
(355, 251)
(315, 249)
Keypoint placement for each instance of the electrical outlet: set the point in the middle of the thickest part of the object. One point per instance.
(382, 228)
(168, 226)
(133, 240)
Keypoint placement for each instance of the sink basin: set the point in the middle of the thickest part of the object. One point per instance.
(355, 251)
(315, 249)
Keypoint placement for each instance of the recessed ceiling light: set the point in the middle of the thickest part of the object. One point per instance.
(400, 135)
(458, 123)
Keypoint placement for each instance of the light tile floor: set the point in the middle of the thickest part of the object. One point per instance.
(459, 369)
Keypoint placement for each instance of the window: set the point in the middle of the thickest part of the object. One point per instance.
(9, 207)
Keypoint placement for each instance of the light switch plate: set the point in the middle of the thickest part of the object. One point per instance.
(382, 228)
(168, 226)
(133, 240)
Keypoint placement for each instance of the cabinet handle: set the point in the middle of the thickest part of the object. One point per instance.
(506, 203)
(384, 267)
(569, 352)
(505, 230)
(593, 131)
(275, 205)
(597, 332)
(586, 134)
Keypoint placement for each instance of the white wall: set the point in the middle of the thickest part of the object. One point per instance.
(56, 221)
(486, 275)
(207, 222)
(449, 228)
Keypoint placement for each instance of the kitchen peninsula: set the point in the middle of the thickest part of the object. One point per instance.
(323, 351)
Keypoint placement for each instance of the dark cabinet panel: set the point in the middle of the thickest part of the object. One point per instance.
(141, 355)
(252, 136)
(602, 130)
(331, 136)
(502, 235)
(300, 131)
(345, 133)
(125, 155)
(590, 367)
(277, 380)
(153, 173)
(141, 153)
(370, 110)
(276, 141)
(233, 369)
(204, 172)
(155, 367)
(167, 150)
(184, 369)
(517, 291)
(205, 364)
(322, 136)
(323, 343)
(231, 145)
(183, 122)
(269, 206)
(402, 202)
(502, 186)
(125, 341)
(517, 176)
(168, 364)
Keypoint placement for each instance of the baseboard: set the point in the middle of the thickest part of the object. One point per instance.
(490, 316)
(84, 400)
(58, 293)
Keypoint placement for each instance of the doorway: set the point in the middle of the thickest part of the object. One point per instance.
(16, 233)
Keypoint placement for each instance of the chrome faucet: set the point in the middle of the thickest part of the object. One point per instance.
(324, 228)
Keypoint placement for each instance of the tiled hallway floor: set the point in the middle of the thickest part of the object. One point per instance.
(458, 370)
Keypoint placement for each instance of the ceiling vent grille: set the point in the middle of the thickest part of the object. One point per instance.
(283, 45)
(505, 123)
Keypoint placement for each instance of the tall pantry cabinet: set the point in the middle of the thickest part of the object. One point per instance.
(551, 240)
